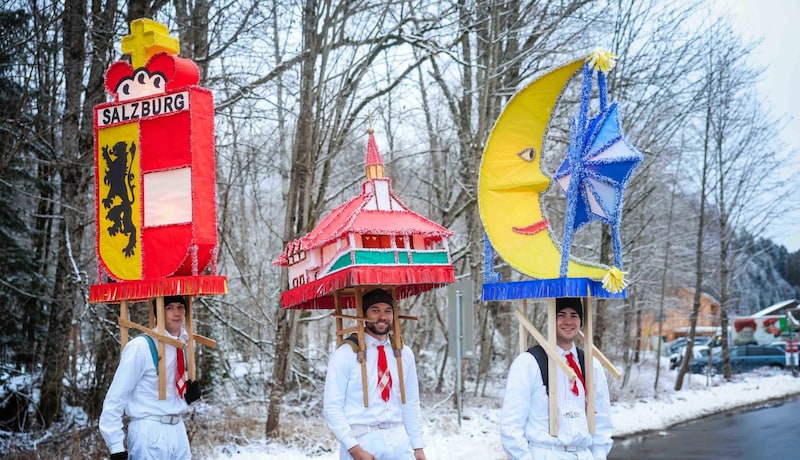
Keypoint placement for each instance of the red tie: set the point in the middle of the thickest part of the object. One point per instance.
(181, 377)
(574, 366)
(384, 376)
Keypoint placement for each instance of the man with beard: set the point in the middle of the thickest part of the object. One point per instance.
(387, 429)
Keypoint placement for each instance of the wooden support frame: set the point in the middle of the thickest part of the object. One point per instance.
(358, 329)
(157, 331)
(555, 361)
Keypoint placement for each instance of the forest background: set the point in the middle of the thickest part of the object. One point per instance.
(296, 85)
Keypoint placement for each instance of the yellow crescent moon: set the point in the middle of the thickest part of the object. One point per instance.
(511, 182)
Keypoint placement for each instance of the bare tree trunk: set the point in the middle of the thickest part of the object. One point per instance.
(71, 226)
(665, 270)
(639, 339)
(297, 210)
(698, 288)
(107, 347)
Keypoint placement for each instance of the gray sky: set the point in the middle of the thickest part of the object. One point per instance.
(777, 23)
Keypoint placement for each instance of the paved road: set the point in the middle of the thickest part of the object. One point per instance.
(765, 433)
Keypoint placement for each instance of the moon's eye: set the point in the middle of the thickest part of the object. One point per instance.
(527, 154)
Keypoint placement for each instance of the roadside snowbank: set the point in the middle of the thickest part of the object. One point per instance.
(478, 436)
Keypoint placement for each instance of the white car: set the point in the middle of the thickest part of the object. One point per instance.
(698, 352)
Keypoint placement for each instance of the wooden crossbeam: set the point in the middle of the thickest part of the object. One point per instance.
(549, 348)
(359, 318)
(157, 331)
(161, 337)
(555, 361)
(603, 360)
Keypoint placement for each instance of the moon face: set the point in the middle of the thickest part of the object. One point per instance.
(511, 181)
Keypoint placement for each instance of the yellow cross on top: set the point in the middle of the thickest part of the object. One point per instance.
(146, 39)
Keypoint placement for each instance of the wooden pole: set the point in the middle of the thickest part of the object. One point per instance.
(603, 360)
(162, 363)
(554, 360)
(155, 335)
(190, 332)
(549, 348)
(337, 302)
(551, 367)
(588, 353)
(123, 314)
(157, 330)
(523, 338)
(397, 346)
(362, 346)
(151, 314)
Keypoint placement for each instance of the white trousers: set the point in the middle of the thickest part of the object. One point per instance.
(389, 444)
(554, 453)
(153, 440)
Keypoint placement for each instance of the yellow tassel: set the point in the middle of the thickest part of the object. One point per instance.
(602, 60)
(614, 281)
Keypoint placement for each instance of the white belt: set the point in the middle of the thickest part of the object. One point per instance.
(358, 430)
(559, 447)
(165, 419)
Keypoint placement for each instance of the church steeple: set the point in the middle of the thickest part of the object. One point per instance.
(374, 167)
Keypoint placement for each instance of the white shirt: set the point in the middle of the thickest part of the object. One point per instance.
(525, 416)
(134, 390)
(344, 397)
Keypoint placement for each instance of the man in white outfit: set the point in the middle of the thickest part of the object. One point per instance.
(387, 429)
(156, 430)
(525, 418)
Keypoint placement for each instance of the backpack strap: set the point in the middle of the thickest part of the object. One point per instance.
(154, 350)
(541, 358)
(352, 340)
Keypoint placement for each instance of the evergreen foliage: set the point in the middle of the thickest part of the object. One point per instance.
(19, 279)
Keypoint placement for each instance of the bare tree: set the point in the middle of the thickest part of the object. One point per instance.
(341, 44)
(746, 147)
(74, 172)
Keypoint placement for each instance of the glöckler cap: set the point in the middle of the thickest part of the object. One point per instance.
(570, 302)
(376, 296)
(168, 299)
(174, 299)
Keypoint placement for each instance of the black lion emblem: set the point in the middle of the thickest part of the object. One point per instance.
(119, 178)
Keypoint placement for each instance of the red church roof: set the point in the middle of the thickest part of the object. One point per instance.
(375, 211)
(354, 216)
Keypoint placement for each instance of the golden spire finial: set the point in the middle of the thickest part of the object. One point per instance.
(374, 165)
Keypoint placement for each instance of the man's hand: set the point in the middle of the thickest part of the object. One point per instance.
(419, 455)
(120, 456)
(192, 392)
(359, 453)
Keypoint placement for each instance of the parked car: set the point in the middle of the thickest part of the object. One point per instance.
(678, 349)
(743, 358)
(699, 353)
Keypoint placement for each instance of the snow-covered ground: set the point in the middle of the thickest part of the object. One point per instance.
(634, 411)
